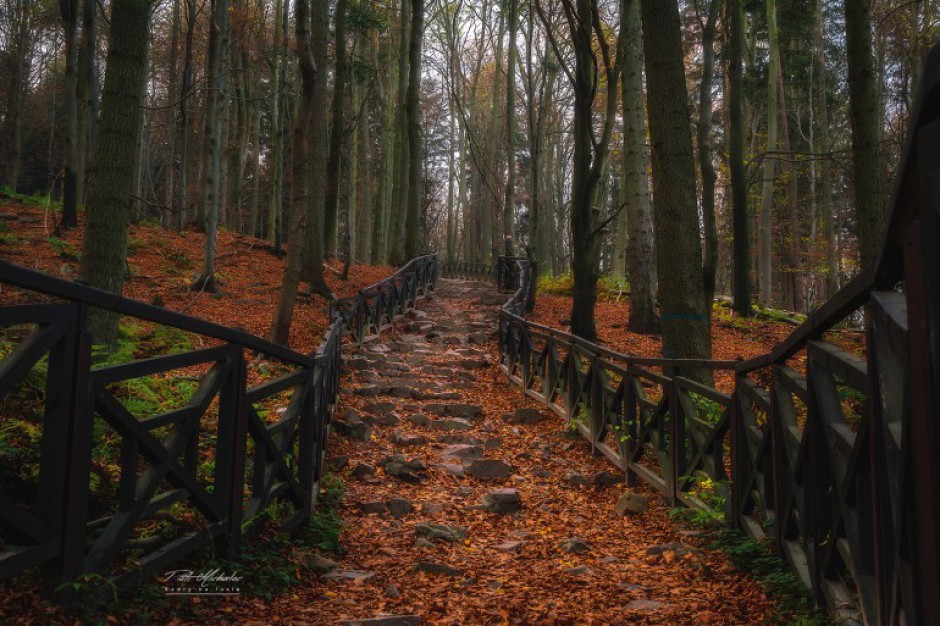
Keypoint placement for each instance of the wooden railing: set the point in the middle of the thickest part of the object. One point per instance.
(833, 456)
(230, 455)
(466, 269)
(377, 307)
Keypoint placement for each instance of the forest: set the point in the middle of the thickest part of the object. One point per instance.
(249, 321)
(692, 149)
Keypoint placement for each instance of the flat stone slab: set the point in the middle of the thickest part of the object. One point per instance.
(489, 469)
(574, 545)
(631, 503)
(462, 451)
(354, 575)
(451, 424)
(524, 415)
(437, 568)
(503, 501)
(431, 532)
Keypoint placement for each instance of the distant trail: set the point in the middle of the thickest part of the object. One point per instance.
(423, 537)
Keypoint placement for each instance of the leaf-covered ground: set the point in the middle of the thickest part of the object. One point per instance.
(733, 337)
(635, 569)
(164, 263)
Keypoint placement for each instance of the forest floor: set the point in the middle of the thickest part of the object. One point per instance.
(733, 337)
(418, 538)
(163, 264)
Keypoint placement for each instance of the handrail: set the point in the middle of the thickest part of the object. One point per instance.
(256, 461)
(40, 282)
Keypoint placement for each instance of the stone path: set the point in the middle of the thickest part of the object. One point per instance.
(468, 504)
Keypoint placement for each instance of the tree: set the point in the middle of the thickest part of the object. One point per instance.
(215, 115)
(684, 314)
(19, 35)
(303, 214)
(865, 115)
(509, 200)
(765, 229)
(69, 14)
(742, 248)
(337, 131)
(638, 209)
(706, 167)
(313, 255)
(104, 252)
(590, 154)
(413, 228)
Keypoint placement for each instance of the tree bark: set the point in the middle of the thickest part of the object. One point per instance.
(17, 84)
(304, 171)
(739, 215)
(104, 250)
(509, 200)
(706, 167)
(638, 212)
(683, 308)
(865, 115)
(413, 226)
(215, 115)
(337, 130)
(69, 15)
(765, 227)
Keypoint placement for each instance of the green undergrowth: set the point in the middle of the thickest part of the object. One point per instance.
(793, 604)
(32, 200)
(608, 287)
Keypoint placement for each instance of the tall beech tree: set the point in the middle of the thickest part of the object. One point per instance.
(303, 245)
(684, 315)
(865, 115)
(104, 251)
(592, 55)
(741, 261)
(638, 210)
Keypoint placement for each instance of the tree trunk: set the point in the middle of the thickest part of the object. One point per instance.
(765, 260)
(638, 212)
(509, 200)
(706, 167)
(739, 214)
(337, 131)
(683, 308)
(87, 94)
(182, 201)
(17, 84)
(215, 115)
(384, 107)
(490, 200)
(304, 176)
(104, 250)
(865, 115)
(398, 216)
(822, 143)
(414, 228)
(69, 14)
(313, 259)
